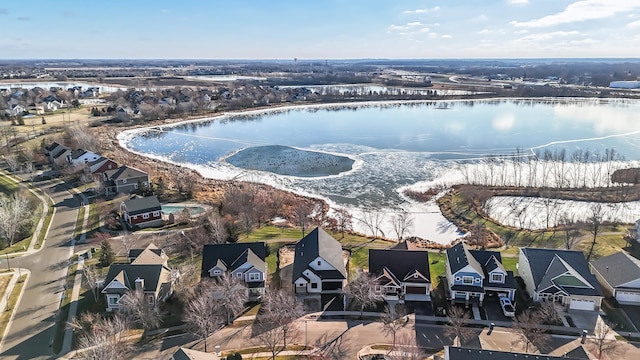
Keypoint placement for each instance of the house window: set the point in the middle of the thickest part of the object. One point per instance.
(135, 186)
(150, 299)
(238, 275)
(314, 285)
(301, 284)
(478, 280)
(217, 272)
(254, 277)
(145, 216)
(496, 278)
(467, 280)
(134, 217)
(377, 288)
(113, 300)
(458, 278)
(319, 262)
(156, 213)
(124, 181)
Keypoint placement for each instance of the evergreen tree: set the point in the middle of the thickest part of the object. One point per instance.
(107, 256)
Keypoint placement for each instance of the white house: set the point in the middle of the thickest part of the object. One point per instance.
(560, 276)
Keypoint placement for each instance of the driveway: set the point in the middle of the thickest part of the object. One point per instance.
(29, 335)
(493, 311)
(583, 319)
(633, 313)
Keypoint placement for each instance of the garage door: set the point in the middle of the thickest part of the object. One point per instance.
(416, 290)
(625, 297)
(581, 304)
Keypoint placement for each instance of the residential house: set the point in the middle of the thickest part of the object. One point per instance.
(619, 275)
(141, 212)
(190, 354)
(15, 110)
(97, 167)
(561, 276)
(151, 255)
(471, 274)
(401, 275)
(147, 272)
(57, 153)
(124, 180)
(241, 260)
(318, 265)
(80, 157)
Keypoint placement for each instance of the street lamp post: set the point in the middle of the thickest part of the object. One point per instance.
(306, 337)
(8, 265)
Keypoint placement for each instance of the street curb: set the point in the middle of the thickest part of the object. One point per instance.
(13, 311)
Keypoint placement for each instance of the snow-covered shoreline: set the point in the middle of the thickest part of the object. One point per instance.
(429, 223)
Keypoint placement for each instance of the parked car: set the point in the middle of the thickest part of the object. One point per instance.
(507, 307)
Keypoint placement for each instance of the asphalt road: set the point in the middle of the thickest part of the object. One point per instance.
(33, 326)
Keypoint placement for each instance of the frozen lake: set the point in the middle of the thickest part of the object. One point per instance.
(396, 145)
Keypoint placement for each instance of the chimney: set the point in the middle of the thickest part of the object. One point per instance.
(140, 284)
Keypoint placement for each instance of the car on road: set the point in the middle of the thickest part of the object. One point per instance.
(507, 307)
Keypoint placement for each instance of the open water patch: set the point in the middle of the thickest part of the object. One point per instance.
(289, 161)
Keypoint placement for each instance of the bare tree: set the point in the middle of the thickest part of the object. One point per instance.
(12, 216)
(302, 211)
(393, 319)
(407, 349)
(604, 341)
(527, 332)
(596, 213)
(548, 314)
(402, 222)
(126, 242)
(344, 221)
(93, 278)
(571, 233)
(230, 293)
(81, 137)
(457, 325)
(139, 309)
(204, 315)
(105, 340)
(276, 321)
(361, 291)
(372, 218)
(12, 161)
(185, 281)
(215, 225)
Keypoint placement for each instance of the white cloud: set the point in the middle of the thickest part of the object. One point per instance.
(415, 23)
(548, 35)
(518, 2)
(481, 17)
(394, 27)
(446, 36)
(484, 31)
(581, 11)
(422, 11)
(634, 24)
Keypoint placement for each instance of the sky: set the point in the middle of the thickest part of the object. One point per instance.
(319, 29)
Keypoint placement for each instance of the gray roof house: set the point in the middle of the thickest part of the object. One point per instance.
(124, 180)
(619, 275)
(319, 268)
(241, 260)
(401, 275)
(141, 212)
(462, 353)
(152, 279)
(560, 276)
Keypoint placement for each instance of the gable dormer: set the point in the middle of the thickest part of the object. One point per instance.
(415, 276)
(218, 270)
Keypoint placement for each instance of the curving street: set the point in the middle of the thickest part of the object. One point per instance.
(31, 332)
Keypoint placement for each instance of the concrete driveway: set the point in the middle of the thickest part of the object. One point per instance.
(583, 319)
(633, 313)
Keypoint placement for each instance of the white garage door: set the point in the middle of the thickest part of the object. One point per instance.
(625, 297)
(581, 304)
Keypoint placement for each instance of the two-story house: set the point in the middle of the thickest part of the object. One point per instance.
(57, 153)
(473, 273)
(141, 212)
(97, 167)
(245, 261)
(124, 180)
(147, 272)
(81, 157)
(560, 276)
(318, 265)
(401, 275)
